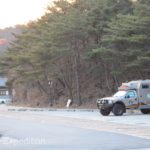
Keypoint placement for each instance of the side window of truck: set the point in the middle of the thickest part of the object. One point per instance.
(145, 86)
(131, 94)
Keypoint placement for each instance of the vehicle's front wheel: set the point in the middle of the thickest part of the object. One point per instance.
(104, 111)
(145, 111)
(118, 109)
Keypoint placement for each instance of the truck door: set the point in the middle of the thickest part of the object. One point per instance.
(131, 99)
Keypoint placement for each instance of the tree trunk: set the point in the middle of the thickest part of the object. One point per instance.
(106, 76)
(115, 77)
(69, 89)
(115, 81)
(77, 76)
(48, 94)
(76, 47)
(70, 94)
(49, 99)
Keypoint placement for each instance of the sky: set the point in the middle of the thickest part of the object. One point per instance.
(14, 12)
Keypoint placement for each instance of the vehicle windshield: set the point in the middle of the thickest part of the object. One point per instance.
(120, 93)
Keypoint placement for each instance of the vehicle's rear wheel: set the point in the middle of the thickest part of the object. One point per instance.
(104, 111)
(118, 109)
(145, 111)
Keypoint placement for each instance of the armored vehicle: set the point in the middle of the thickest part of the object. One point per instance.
(130, 95)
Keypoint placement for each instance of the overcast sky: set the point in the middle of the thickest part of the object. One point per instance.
(14, 12)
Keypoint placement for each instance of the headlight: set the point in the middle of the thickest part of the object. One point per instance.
(98, 101)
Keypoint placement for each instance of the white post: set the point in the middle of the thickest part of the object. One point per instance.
(68, 103)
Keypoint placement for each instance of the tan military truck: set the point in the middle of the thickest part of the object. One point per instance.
(130, 95)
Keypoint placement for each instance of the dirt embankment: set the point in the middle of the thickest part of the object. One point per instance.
(92, 87)
(32, 95)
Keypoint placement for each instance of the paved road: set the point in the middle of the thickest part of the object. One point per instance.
(24, 134)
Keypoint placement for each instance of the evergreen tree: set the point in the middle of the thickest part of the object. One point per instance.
(127, 41)
(101, 15)
(55, 46)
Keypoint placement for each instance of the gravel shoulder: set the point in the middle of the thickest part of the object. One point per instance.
(134, 124)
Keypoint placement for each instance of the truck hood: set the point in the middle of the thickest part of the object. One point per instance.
(113, 98)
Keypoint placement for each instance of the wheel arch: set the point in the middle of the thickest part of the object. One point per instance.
(122, 103)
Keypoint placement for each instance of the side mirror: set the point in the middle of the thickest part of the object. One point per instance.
(127, 96)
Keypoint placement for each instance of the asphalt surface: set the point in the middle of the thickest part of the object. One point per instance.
(20, 134)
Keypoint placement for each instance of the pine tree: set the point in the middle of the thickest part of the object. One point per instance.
(102, 57)
(127, 41)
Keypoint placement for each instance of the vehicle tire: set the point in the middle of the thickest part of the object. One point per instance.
(104, 111)
(118, 109)
(145, 111)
